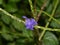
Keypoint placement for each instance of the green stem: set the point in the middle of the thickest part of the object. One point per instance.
(48, 29)
(40, 11)
(36, 32)
(31, 6)
(13, 17)
(51, 17)
(43, 32)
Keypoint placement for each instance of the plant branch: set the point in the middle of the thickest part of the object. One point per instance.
(35, 12)
(31, 6)
(36, 32)
(51, 17)
(40, 12)
(19, 20)
(13, 17)
(47, 24)
(47, 29)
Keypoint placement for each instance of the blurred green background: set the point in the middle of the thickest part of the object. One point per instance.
(13, 32)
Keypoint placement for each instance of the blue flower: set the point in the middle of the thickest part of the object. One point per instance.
(30, 23)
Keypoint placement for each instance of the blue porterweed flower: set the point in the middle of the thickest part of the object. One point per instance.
(29, 23)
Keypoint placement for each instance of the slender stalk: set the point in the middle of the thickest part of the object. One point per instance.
(31, 6)
(51, 17)
(35, 12)
(47, 29)
(35, 5)
(36, 32)
(37, 18)
(40, 12)
(13, 17)
(43, 32)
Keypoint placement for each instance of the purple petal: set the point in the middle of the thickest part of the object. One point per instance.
(33, 22)
(29, 27)
(24, 17)
(29, 23)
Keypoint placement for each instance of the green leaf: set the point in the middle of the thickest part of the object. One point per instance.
(12, 43)
(40, 3)
(5, 33)
(14, 0)
(20, 41)
(57, 14)
(50, 39)
(7, 36)
(5, 29)
(55, 24)
(49, 9)
(1, 1)
(19, 13)
(28, 33)
(6, 19)
(18, 25)
(11, 7)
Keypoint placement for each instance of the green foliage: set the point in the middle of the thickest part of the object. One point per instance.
(11, 7)
(6, 19)
(13, 30)
(54, 24)
(50, 39)
(14, 1)
(17, 25)
(5, 34)
(1, 1)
